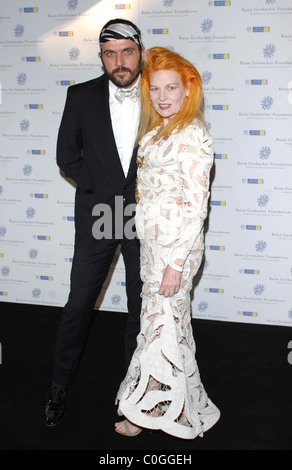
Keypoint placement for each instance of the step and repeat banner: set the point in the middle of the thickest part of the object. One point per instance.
(243, 51)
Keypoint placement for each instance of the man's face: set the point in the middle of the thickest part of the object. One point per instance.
(122, 61)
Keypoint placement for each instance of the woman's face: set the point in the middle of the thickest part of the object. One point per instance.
(167, 93)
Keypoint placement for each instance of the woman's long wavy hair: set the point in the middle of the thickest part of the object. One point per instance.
(160, 58)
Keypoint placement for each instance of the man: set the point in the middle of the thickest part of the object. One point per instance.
(96, 149)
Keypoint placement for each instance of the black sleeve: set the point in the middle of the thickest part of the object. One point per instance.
(69, 142)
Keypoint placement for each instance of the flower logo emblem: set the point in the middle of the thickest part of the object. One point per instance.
(206, 25)
(33, 253)
(267, 102)
(27, 169)
(202, 306)
(206, 77)
(2, 231)
(261, 245)
(259, 289)
(264, 153)
(72, 4)
(21, 78)
(263, 200)
(18, 30)
(269, 51)
(116, 299)
(74, 53)
(30, 212)
(5, 271)
(36, 293)
(24, 125)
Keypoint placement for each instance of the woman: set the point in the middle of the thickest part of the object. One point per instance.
(162, 388)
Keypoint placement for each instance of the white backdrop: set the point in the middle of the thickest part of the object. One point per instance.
(242, 48)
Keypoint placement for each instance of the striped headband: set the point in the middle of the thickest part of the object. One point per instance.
(119, 31)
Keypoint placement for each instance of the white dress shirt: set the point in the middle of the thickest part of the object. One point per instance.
(125, 121)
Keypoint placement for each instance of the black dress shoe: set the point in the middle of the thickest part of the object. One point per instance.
(55, 405)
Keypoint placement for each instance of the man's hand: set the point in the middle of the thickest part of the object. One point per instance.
(170, 283)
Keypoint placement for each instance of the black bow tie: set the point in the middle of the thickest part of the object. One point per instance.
(121, 94)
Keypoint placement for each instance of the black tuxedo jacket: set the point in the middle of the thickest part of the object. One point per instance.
(86, 149)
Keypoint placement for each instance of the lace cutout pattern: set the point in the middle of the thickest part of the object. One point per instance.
(163, 389)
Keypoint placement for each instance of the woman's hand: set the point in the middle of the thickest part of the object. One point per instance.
(170, 282)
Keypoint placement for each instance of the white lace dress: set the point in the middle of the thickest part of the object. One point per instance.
(162, 388)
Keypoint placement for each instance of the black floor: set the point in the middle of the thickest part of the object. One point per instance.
(243, 367)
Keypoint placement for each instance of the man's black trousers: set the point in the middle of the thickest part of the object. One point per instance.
(91, 263)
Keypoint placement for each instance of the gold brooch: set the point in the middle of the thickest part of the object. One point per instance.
(139, 161)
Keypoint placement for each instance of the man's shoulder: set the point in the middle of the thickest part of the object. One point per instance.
(88, 85)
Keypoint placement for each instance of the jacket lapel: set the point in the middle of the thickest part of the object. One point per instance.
(133, 165)
(105, 125)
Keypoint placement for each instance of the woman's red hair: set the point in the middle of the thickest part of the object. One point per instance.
(160, 58)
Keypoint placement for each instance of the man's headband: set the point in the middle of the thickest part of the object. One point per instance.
(119, 31)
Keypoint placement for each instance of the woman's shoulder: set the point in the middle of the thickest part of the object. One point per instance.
(197, 141)
(147, 137)
(196, 126)
(197, 130)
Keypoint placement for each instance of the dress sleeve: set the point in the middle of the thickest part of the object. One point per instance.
(195, 159)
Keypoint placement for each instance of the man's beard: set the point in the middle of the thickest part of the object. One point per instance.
(124, 82)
